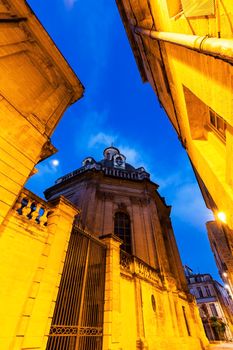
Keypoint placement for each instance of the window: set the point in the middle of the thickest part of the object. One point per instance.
(204, 311)
(203, 119)
(217, 124)
(198, 279)
(213, 310)
(200, 292)
(191, 8)
(153, 303)
(194, 8)
(122, 230)
(208, 293)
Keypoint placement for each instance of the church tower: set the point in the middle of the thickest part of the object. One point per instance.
(146, 301)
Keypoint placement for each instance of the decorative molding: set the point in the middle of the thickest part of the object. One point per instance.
(145, 201)
(47, 150)
(109, 196)
(69, 331)
(122, 206)
(135, 266)
(125, 260)
(135, 200)
(105, 195)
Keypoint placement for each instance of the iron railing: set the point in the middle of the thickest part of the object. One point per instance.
(78, 316)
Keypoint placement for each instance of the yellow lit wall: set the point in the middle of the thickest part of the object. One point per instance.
(32, 99)
(131, 322)
(32, 257)
(188, 83)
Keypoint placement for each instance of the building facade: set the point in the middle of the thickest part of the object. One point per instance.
(36, 87)
(147, 303)
(214, 303)
(184, 50)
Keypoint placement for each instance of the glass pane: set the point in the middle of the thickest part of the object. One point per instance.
(122, 230)
(220, 124)
(212, 118)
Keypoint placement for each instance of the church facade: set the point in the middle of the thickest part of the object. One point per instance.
(146, 301)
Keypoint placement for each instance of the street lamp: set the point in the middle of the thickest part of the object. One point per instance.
(222, 217)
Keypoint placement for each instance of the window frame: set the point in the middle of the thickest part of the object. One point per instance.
(214, 121)
(122, 229)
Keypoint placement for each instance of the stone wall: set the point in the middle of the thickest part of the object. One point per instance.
(140, 312)
(36, 87)
(33, 246)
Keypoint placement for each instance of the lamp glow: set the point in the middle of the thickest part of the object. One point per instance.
(222, 216)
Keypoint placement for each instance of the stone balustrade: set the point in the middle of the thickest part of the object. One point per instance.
(32, 207)
(133, 265)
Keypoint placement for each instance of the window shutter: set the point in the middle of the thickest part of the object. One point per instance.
(193, 8)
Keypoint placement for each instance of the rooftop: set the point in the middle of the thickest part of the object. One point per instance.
(113, 164)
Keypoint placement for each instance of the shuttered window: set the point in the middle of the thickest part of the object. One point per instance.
(195, 8)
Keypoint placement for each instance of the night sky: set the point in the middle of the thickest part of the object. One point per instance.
(118, 108)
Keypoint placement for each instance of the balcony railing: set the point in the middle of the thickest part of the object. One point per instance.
(32, 208)
(133, 265)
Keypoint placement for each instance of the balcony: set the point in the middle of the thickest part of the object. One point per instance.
(132, 265)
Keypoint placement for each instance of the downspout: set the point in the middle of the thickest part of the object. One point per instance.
(216, 47)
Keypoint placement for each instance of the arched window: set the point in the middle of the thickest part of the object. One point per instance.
(122, 230)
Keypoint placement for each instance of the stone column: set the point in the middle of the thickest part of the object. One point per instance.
(151, 259)
(112, 323)
(108, 213)
(140, 248)
(159, 239)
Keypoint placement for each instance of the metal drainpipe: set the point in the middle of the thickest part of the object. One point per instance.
(217, 47)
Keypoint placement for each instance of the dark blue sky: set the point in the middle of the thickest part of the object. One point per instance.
(117, 107)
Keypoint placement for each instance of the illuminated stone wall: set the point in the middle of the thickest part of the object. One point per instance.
(33, 248)
(36, 87)
(140, 312)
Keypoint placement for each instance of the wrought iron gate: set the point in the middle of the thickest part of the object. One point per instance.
(78, 316)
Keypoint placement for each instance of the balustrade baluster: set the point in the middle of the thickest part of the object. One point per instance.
(27, 209)
(35, 213)
(19, 204)
(32, 207)
(43, 218)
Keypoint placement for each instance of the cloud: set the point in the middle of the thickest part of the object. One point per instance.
(69, 3)
(130, 153)
(189, 207)
(101, 139)
(172, 180)
(182, 192)
(49, 167)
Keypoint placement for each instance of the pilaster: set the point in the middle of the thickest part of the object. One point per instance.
(112, 323)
